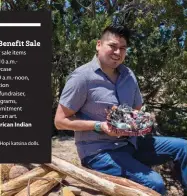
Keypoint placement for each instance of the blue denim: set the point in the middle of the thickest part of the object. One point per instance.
(134, 164)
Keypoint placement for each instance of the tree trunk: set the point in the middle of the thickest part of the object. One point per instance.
(99, 183)
(43, 185)
(17, 184)
(124, 182)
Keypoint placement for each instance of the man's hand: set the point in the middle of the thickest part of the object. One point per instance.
(110, 130)
(116, 132)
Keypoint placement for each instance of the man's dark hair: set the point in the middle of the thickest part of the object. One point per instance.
(121, 31)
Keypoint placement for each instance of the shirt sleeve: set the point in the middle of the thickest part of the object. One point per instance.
(75, 92)
(138, 100)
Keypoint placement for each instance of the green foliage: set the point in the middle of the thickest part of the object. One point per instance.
(25, 5)
(155, 54)
(173, 122)
(74, 40)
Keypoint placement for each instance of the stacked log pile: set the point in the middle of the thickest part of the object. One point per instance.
(40, 180)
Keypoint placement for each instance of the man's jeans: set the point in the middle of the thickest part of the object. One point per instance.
(135, 164)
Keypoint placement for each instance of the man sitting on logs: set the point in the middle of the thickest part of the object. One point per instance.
(97, 86)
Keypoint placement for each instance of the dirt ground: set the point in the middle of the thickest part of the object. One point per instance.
(64, 147)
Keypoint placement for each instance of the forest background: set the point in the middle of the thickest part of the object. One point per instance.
(157, 52)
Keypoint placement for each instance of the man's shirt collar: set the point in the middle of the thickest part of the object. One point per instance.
(95, 63)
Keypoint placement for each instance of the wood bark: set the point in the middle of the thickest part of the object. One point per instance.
(99, 183)
(15, 185)
(124, 182)
(43, 185)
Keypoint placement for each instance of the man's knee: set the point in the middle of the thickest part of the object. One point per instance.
(155, 182)
(184, 144)
(159, 187)
(180, 143)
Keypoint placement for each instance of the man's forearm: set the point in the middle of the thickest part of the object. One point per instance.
(74, 124)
